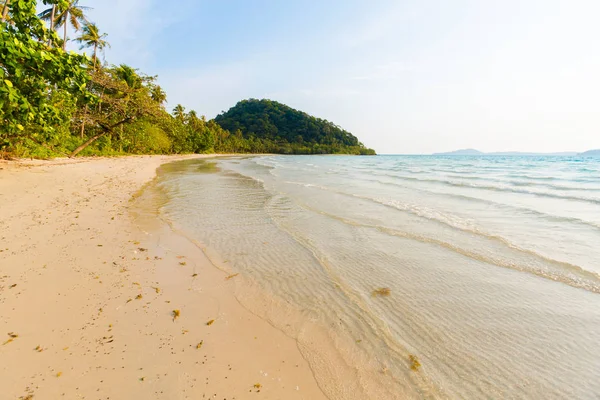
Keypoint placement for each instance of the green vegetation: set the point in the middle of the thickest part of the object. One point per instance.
(58, 103)
(278, 128)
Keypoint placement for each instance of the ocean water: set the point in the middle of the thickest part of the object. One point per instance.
(492, 266)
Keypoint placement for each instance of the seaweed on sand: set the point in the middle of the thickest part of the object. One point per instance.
(414, 362)
(384, 291)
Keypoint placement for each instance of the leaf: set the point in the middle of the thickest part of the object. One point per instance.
(414, 362)
(8, 83)
(381, 292)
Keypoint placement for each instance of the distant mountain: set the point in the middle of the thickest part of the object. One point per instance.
(462, 152)
(473, 152)
(518, 153)
(590, 153)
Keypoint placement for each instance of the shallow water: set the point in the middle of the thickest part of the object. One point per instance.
(493, 266)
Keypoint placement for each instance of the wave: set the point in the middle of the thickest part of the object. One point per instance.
(592, 200)
(531, 182)
(469, 227)
(540, 214)
(559, 271)
(525, 210)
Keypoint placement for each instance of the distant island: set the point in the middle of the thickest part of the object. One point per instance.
(473, 152)
(461, 152)
(590, 153)
(284, 130)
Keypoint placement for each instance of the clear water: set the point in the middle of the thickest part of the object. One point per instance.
(493, 266)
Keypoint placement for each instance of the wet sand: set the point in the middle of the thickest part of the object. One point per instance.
(88, 288)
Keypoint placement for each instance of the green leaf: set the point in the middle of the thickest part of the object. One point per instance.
(20, 127)
(8, 83)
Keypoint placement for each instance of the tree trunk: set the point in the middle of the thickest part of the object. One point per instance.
(83, 121)
(65, 27)
(121, 140)
(95, 51)
(106, 129)
(52, 16)
(5, 10)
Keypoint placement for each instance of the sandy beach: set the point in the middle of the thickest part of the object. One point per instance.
(89, 289)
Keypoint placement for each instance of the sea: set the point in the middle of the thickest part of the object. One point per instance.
(460, 277)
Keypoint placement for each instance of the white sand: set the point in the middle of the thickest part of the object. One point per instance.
(71, 271)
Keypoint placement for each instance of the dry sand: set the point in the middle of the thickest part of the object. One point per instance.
(88, 292)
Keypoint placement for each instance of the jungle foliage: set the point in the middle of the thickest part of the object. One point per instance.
(59, 103)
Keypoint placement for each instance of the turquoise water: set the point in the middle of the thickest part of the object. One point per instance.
(493, 266)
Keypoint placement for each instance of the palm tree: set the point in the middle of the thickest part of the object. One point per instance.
(129, 76)
(91, 37)
(179, 112)
(5, 10)
(72, 13)
(158, 94)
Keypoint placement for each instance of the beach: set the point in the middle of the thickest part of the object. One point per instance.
(99, 300)
(299, 277)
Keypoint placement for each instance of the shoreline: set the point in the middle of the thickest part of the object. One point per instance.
(91, 297)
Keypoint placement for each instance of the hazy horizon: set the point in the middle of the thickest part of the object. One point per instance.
(407, 77)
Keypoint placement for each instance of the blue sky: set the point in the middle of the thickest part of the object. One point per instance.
(414, 76)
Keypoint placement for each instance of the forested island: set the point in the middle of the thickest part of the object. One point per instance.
(282, 129)
(58, 103)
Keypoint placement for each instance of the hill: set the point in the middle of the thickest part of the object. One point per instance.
(590, 153)
(473, 152)
(285, 130)
(461, 152)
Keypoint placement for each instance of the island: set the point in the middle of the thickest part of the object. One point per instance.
(590, 153)
(473, 152)
(282, 129)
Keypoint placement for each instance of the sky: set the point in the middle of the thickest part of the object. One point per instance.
(405, 77)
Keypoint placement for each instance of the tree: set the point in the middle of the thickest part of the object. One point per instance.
(158, 94)
(67, 12)
(126, 99)
(129, 76)
(179, 112)
(31, 74)
(91, 37)
(5, 10)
